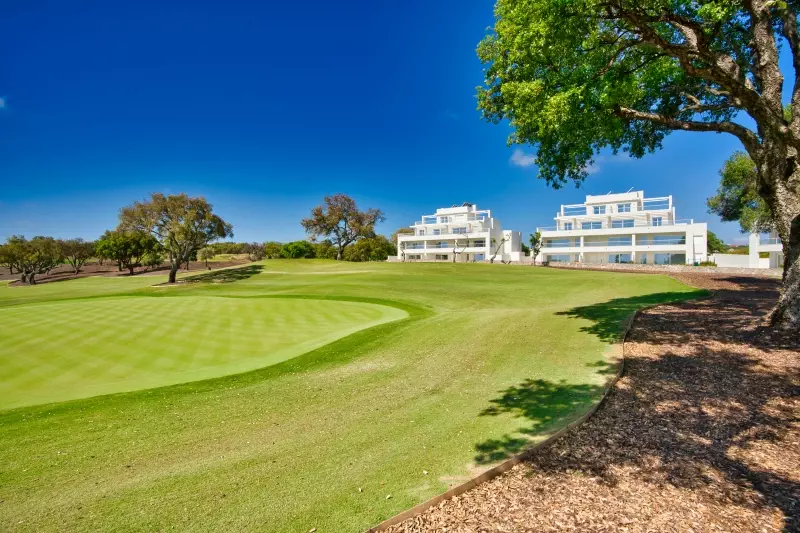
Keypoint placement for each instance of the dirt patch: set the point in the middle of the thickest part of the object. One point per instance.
(702, 433)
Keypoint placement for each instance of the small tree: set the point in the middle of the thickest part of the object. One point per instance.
(127, 248)
(297, 250)
(536, 245)
(272, 250)
(256, 251)
(737, 198)
(339, 220)
(326, 250)
(76, 252)
(31, 257)
(714, 244)
(153, 259)
(378, 248)
(498, 245)
(183, 225)
(205, 254)
(456, 250)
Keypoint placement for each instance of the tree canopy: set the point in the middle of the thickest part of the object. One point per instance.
(76, 252)
(714, 244)
(339, 220)
(127, 248)
(31, 257)
(182, 224)
(737, 198)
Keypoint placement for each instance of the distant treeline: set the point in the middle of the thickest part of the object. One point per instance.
(377, 248)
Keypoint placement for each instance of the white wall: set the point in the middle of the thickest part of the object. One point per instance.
(732, 260)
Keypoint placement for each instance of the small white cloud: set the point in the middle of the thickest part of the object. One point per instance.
(592, 168)
(521, 159)
(601, 160)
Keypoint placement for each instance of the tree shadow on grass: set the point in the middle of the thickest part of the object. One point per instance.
(546, 404)
(608, 318)
(227, 275)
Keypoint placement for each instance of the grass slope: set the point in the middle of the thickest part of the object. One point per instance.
(490, 358)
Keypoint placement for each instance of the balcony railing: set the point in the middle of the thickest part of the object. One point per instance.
(636, 224)
(769, 240)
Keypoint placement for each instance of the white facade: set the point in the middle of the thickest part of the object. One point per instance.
(767, 242)
(461, 234)
(623, 228)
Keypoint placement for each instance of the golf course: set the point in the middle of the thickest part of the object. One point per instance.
(289, 395)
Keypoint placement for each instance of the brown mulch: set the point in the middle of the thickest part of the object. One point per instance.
(702, 433)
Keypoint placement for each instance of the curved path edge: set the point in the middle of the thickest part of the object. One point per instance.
(508, 464)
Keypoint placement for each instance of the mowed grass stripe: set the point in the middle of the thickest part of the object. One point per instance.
(81, 348)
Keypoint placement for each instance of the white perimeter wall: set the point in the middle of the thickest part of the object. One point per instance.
(737, 261)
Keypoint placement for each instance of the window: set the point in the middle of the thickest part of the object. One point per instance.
(444, 220)
(558, 243)
(567, 226)
(479, 257)
(429, 220)
(479, 244)
(599, 210)
(623, 208)
(670, 259)
(592, 225)
(460, 231)
(441, 257)
(622, 223)
(559, 258)
(657, 221)
(619, 258)
(620, 241)
(437, 232)
(415, 257)
(421, 232)
(574, 210)
(442, 244)
(481, 216)
(668, 239)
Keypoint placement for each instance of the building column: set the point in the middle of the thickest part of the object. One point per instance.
(633, 248)
(754, 241)
(580, 254)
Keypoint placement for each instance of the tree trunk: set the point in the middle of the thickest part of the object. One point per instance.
(32, 278)
(783, 197)
(23, 277)
(173, 271)
(130, 268)
(339, 253)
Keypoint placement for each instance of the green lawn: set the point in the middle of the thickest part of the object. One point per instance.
(466, 365)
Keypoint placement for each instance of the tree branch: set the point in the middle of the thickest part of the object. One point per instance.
(748, 138)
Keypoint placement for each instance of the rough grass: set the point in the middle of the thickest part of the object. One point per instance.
(338, 438)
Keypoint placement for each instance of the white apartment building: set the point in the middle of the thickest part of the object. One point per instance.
(765, 242)
(623, 228)
(460, 233)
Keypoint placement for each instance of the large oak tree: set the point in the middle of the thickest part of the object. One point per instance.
(182, 224)
(576, 76)
(340, 221)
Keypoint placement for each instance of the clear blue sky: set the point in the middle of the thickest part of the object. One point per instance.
(264, 107)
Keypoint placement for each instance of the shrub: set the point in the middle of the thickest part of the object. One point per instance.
(707, 264)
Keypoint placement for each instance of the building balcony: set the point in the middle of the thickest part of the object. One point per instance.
(606, 226)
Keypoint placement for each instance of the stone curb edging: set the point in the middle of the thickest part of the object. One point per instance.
(508, 464)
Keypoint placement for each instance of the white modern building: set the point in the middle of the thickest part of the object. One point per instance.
(769, 243)
(623, 228)
(462, 233)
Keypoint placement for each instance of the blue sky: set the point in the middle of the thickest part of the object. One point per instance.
(264, 107)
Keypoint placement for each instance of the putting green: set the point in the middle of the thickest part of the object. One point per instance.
(80, 348)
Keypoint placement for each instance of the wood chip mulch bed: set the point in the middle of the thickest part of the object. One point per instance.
(702, 433)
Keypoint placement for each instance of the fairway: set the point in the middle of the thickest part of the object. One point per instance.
(74, 349)
(345, 393)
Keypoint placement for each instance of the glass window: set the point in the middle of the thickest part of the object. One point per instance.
(460, 231)
(670, 259)
(620, 240)
(442, 257)
(421, 232)
(599, 210)
(437, 232)
(619, 258)
(558, 243)
(479, 244)
(623, 208)
(591, 225)
(622, 223)
(567, 226)
(668, 239)
(559, 258)
(657, 221)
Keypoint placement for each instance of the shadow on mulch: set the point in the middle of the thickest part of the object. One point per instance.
(709, 405)
(226, 276)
